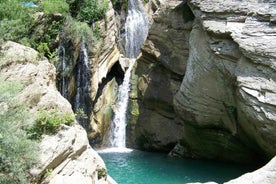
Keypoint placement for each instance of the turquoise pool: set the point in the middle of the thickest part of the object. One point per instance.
(137, 167)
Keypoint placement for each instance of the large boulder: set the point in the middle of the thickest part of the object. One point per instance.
(66, 156)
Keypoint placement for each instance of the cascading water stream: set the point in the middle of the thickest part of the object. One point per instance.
(82, 67)
(117, 138)
(63, 86)
(136, 27)
(82, 99)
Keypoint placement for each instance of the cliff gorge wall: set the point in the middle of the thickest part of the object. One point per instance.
(65, 157)
(90, 76)
(206, 80)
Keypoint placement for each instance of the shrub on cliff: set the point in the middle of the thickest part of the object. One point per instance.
(77, 31)
(48, 122)
(92, 10)
(17, 153)
(57, 6)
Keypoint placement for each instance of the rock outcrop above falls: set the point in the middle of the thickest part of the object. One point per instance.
(67, 156)
(219, 73)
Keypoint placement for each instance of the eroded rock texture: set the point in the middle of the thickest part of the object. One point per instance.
(207, 74)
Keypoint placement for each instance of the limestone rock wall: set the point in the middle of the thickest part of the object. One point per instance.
(102, 54)
(103, 114)
(159, 72)
(103, 97)
(65, 157)
(105, 56)
(207, 70)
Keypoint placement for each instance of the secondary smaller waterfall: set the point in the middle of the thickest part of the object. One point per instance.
(82, 99)
(76, 76)
(64, 84)
(136, 27)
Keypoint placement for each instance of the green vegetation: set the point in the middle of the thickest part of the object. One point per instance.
(91, 11)
(80, 114)
(57, 6)
(41, 31)
(15, 21)
(75, 30)
(48, 122)
(21, 24)
(17, 153)
(45, 32)
(102, 173)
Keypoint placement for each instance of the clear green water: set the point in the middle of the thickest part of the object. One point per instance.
(139, 167)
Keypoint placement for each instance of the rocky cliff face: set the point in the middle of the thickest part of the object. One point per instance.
(101, 55)
(104, 97)
(158, 78)
(65, 157)
(206, 79)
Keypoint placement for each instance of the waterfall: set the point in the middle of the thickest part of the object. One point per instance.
(64, 84)
(117, 138)
(82, 99)
(136, 27)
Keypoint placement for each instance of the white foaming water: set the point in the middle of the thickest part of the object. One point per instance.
(61, 50)
(136, 32)
(136, 29)
(115, 150)
(118, 135)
